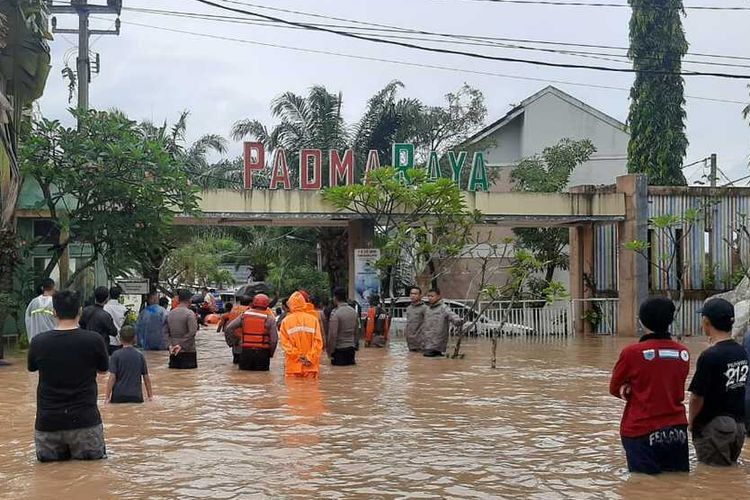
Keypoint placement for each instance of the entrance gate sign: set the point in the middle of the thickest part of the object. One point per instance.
(341, 166)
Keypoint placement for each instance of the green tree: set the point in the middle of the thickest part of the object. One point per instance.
(548, 173)
(107, 185)
(194, 160)
(423, 223)
(198, 262)
(657, 115)
(24, 66)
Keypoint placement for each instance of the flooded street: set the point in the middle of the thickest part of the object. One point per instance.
(397, 425)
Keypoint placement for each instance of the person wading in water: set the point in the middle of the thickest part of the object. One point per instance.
(256, 330)
(650, 376)
(180, 330)
(301, 338)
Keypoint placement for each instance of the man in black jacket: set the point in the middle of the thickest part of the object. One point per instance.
(96, 319)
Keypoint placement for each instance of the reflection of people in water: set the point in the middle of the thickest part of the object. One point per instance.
(305, 405)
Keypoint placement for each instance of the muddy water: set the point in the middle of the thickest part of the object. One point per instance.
(397, 425)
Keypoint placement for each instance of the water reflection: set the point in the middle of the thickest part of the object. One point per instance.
(540, 426)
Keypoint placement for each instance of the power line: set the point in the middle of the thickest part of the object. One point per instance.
(467, 54)
(407, 35)
(453, 35)
(410, 64)
(559, 3)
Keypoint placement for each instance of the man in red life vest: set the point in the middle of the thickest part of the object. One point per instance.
(256, 329)
(650, 376)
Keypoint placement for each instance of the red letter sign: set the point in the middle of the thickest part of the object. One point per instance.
(304, 169)
(280, 173)
(253, 164)
(339, 168)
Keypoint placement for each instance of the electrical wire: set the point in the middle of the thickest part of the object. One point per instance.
(468, 54)
(559, 3)
(410, 64)
(451, 35)
(407, 35)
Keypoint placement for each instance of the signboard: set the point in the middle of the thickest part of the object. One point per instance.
(341, 166)
(366, 276)
(134, 286)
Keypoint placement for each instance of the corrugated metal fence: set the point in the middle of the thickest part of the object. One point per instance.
(712, 254)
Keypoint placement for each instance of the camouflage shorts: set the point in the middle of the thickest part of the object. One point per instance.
(79, 444)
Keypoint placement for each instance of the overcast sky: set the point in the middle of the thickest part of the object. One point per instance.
(155, 74)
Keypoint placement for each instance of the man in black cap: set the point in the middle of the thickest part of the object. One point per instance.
(717, 400)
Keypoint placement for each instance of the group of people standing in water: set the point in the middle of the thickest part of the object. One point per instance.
(650, 376)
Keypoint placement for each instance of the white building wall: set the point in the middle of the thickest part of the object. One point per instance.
(550, 118)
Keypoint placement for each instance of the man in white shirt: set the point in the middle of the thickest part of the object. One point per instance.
(40, 316)
(117, 311)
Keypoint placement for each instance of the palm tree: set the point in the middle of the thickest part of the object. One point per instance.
(386, 120)
(193, 157)
(313, 121)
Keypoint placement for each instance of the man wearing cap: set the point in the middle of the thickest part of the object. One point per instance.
(256, 329)
(650, 376)
(717, 391)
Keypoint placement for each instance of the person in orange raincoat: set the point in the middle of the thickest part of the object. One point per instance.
(378, 324)
(301, 338)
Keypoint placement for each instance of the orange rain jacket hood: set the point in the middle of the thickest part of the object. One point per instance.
(300, 335)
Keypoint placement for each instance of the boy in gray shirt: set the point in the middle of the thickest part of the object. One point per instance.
(126, 367)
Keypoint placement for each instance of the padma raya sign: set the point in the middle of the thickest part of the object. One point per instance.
(341, 166)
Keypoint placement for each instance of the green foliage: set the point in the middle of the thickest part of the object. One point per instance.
(421, 223)
(109, 185)
(548, 173)
(637, 246)
(198, 261)
(288, 279)
(657, 115)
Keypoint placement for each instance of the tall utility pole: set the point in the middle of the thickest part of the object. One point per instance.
(83, 67)
(83, 64)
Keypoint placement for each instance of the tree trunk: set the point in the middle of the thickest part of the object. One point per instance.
(334, 246)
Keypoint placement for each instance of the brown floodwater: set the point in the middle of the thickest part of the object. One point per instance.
(397, 425)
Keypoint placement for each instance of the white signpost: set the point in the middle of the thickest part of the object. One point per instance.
(134, 286)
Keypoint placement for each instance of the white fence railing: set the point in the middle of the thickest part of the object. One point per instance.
(506, 318)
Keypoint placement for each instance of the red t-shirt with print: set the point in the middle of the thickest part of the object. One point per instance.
(656, 370)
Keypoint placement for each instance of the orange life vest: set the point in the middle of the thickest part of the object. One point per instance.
(254, 335)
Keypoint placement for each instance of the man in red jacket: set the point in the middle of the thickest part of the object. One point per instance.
(650, 376)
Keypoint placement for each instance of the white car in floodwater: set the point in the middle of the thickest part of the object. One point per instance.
(484, 327)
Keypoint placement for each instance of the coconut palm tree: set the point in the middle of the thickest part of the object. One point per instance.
(312, 121)
(386, 120)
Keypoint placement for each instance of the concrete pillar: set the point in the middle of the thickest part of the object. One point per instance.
(633, 269)
(581, 264)
(361, 234)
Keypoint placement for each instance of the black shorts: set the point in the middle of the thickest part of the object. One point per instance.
(664, 450)
(343, 357)
(78, 444)
(257, 360)
(183, 360)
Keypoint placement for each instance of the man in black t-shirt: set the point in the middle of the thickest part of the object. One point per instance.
(717, 401)
(68, 424)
